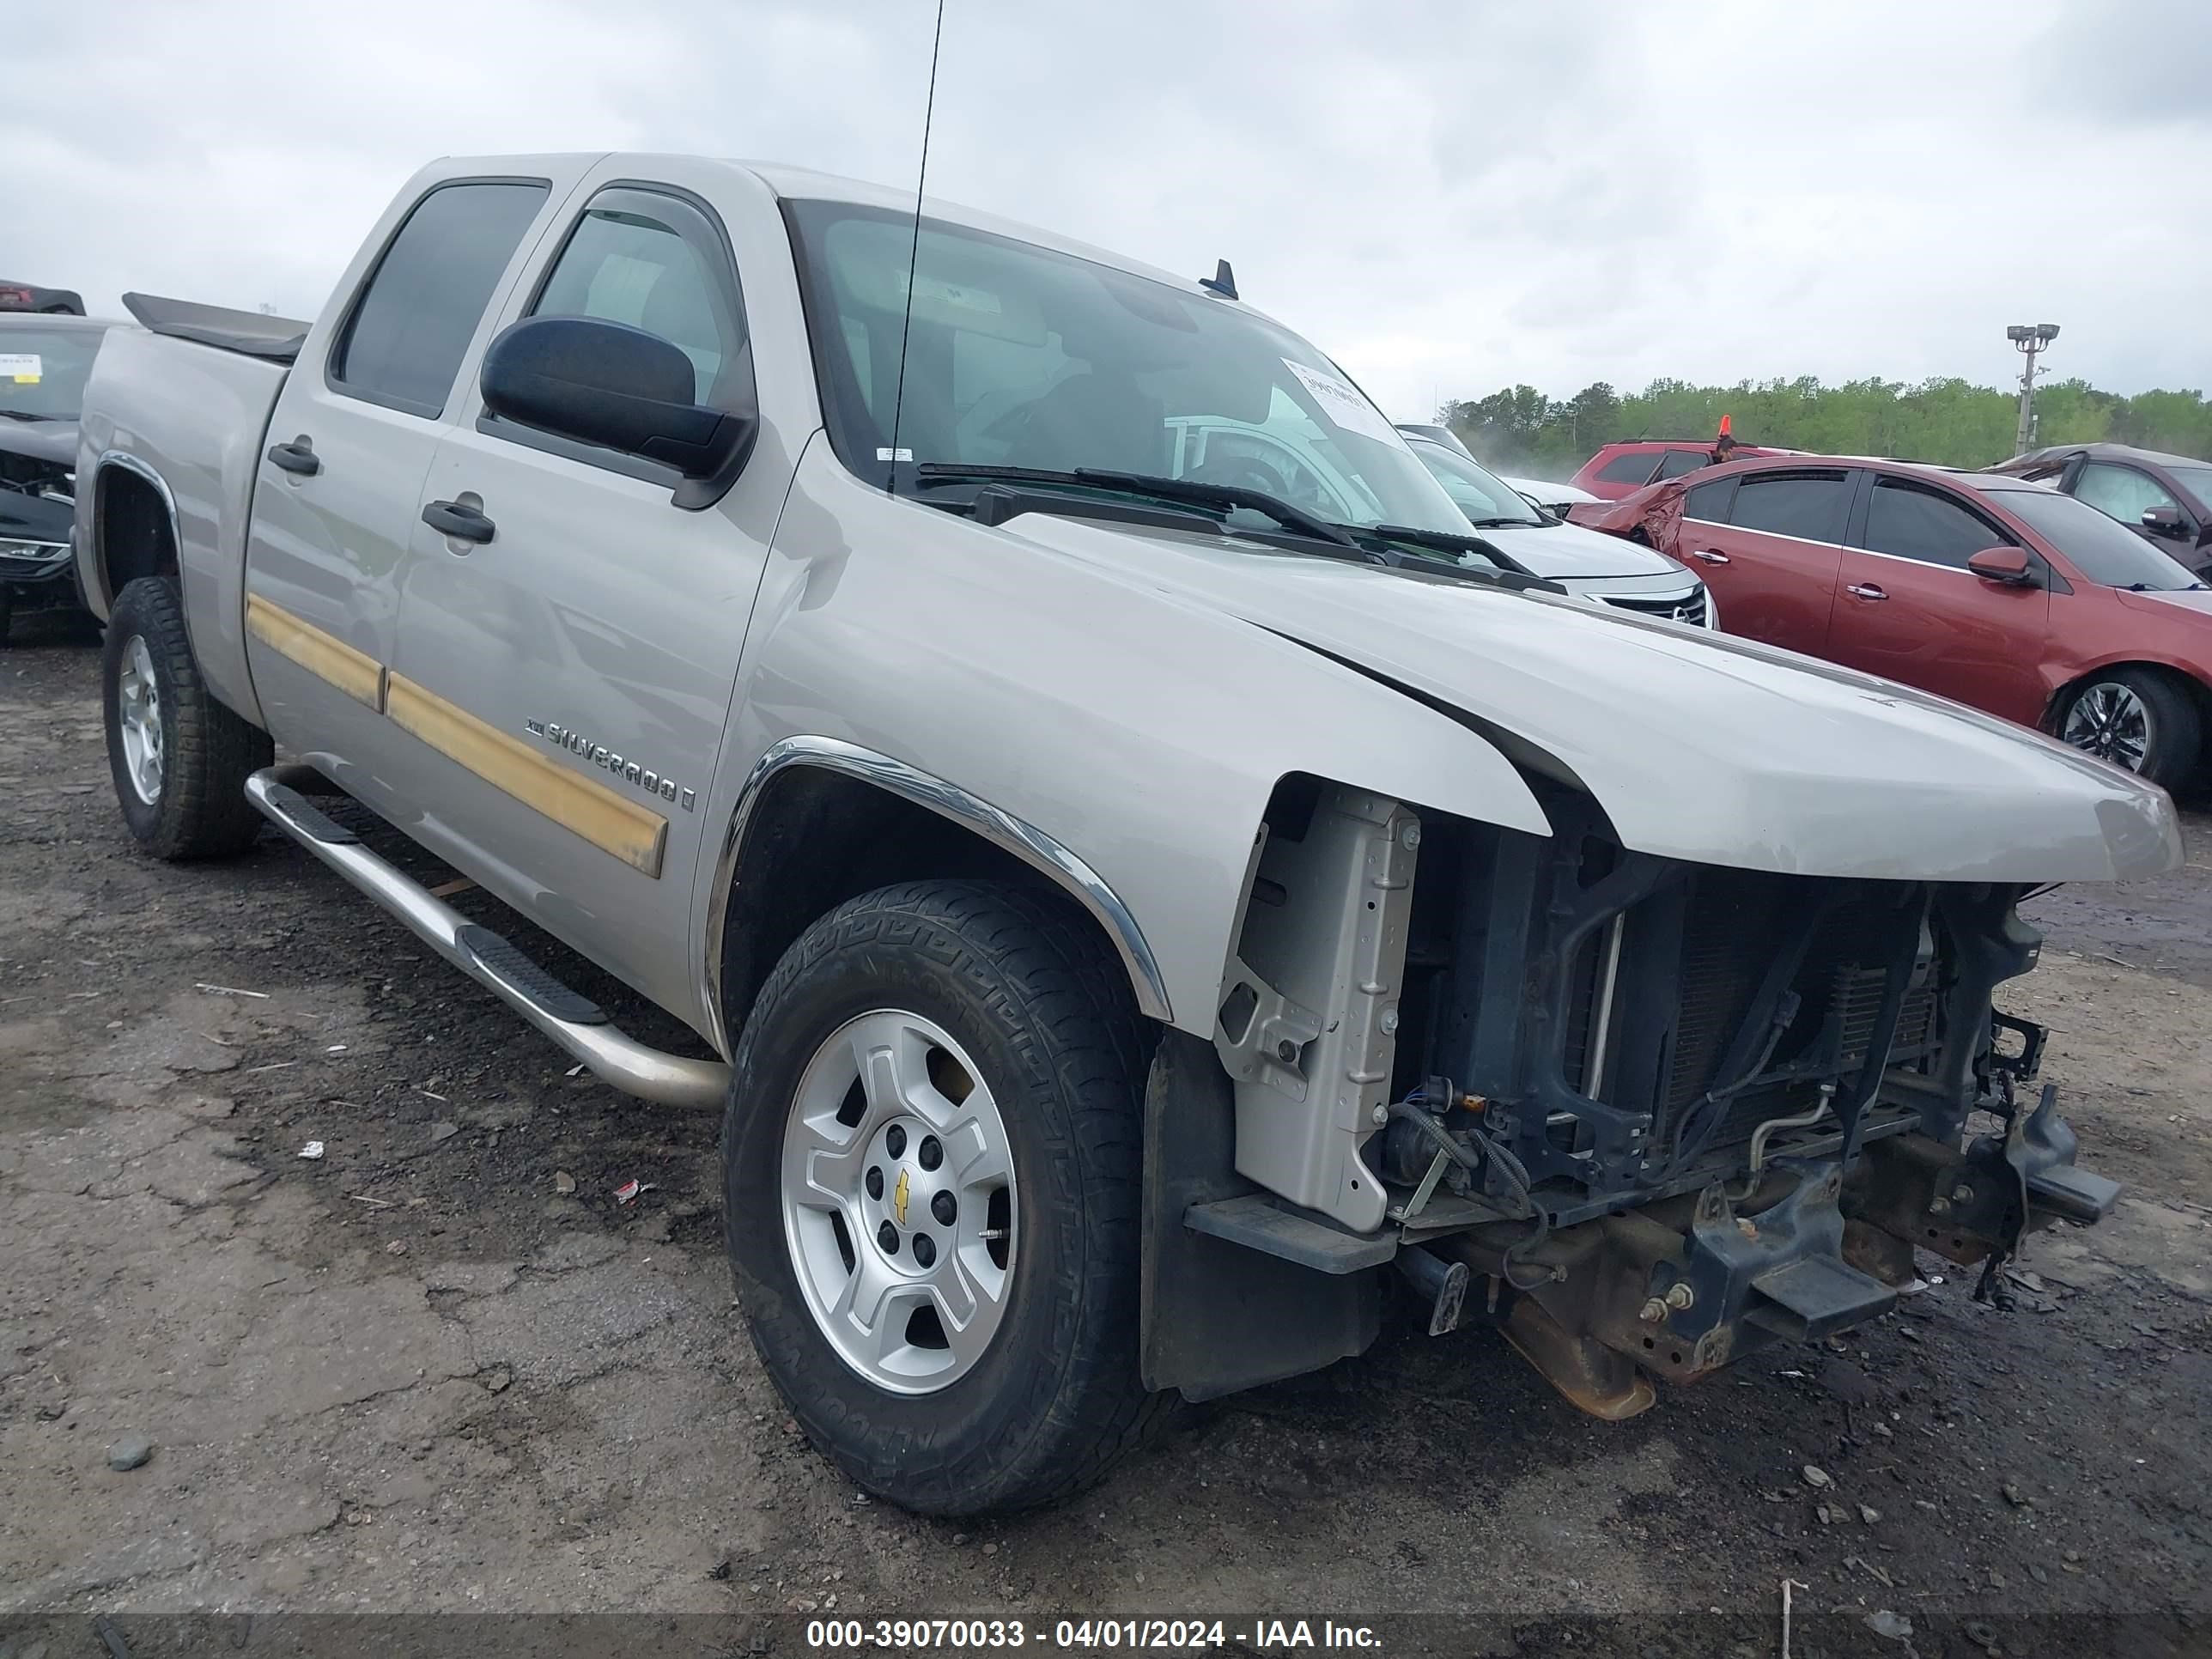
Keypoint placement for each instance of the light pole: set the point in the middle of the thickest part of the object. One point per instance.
(2028, 338)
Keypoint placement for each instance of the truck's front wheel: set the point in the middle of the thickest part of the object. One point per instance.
(931, 1167)
(179, 758)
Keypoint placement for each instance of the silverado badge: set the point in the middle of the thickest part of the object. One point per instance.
(601, 757)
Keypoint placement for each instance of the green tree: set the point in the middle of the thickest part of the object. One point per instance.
(1947, 421)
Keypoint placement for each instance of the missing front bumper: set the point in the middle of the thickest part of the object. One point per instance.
(1681, 1289)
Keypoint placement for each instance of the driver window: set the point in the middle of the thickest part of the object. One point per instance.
(2122, 491)
(652, 262)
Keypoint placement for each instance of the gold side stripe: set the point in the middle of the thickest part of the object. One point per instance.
(360, 676)
(633, 834)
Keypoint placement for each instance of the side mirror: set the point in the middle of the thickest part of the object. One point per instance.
(613, 386)
(2164, 521)
(2006, 566)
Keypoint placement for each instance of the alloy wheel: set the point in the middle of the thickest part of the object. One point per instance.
(899, 1203)
(138, 714)
(2112, 722)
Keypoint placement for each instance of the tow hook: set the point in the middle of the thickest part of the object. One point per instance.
(1442, 1283)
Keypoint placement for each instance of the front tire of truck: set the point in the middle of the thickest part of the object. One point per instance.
(179, 758)
(932, 1163)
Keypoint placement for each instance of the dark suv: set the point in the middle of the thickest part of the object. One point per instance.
(2165, 499)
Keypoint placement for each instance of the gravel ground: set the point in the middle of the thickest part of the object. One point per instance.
(440, 1371)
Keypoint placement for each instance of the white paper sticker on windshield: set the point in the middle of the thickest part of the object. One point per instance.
(23, 367)
(1342, 402)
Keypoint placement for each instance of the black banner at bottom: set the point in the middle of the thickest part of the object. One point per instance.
(1816, 1632)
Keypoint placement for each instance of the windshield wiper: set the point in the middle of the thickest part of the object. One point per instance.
(27, 415)
(1506, 524)
(1224, 496)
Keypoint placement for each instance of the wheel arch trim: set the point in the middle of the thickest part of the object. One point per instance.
(1024, 841)
(96, 551)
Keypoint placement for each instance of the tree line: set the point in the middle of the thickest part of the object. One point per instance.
(1951, 422)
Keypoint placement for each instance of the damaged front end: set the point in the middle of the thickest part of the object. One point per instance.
(1650, 1114)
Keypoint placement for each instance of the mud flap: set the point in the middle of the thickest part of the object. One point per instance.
(1219, 1316)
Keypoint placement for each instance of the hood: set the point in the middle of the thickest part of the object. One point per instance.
(1697, 747)
(2196, 600)
(1568, 549)
(42, 440)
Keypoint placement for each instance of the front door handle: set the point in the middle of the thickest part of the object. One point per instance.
(1865, 591)
(1709, 555)
(462, 523)
(297, 457)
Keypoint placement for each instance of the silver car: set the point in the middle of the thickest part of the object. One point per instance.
(1606, 570)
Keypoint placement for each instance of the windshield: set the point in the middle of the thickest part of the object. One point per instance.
(2104, 549)
(1485, 499)
(1020, 356)
(2198, 480)
(43, 371)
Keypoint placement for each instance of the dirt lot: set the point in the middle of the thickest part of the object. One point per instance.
(440, 1371)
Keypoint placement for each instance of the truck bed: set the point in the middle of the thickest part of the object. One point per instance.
(253, 333)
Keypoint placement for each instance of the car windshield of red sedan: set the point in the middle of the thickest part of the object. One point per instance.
(2103, 550)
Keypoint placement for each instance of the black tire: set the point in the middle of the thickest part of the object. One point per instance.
(200, 809)
(2175, 735)
(1054, 1400)
(6, 610)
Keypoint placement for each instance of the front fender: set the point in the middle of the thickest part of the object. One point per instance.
(1140, 732)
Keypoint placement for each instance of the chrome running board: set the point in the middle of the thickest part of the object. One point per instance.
(577, 1023)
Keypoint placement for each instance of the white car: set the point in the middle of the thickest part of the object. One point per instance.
(1599, 567)
(1553, 498)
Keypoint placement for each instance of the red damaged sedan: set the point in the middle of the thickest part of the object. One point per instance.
(2000, 593)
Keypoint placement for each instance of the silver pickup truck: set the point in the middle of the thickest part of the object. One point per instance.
(1135, 922)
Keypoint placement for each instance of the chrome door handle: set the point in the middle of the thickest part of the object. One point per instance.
(1865, 591)
(1708, 556)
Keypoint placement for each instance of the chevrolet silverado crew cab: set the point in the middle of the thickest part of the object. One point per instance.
(1130, 921)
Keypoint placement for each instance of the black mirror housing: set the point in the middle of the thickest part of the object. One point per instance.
(608, 384)
(2163, 521)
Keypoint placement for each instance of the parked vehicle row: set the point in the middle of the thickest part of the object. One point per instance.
(1986, 587)
(1141, 867)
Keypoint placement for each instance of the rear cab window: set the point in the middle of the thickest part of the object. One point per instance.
(411, 325)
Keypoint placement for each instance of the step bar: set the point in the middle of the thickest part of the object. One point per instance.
(578, 1025)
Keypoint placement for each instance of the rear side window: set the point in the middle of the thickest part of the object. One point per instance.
(1710, 502)
(1635, 467)
(409, 329)
(1808, 506)
(1676, 462)
(1926, 525)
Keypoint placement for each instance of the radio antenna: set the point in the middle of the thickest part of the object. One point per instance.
(913, 259)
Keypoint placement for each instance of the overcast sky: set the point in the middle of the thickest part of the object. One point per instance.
(1446, 196)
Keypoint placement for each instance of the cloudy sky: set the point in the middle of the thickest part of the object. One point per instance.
(1447, 196)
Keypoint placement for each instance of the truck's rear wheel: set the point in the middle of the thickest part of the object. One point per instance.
(931, 1167)
(179, 758)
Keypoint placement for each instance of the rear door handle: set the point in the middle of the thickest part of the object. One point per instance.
(1865, 591)
(462, 523)
(1709, 555)
(297, 457)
